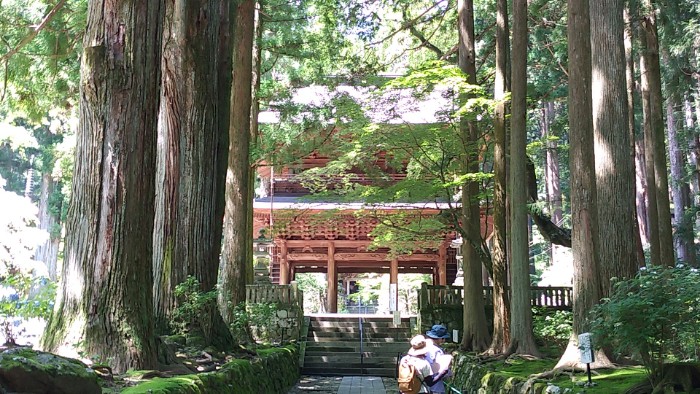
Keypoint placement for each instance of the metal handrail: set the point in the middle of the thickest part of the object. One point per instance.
(452, 388)
(362, 353)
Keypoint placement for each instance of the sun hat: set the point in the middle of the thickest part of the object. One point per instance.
(438, 332)
(418, 346)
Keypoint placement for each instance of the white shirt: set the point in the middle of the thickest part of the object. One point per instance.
(433, 352)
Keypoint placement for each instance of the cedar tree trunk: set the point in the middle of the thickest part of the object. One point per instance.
(104, 307)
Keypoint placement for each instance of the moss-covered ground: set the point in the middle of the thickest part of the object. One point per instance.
(508, 374)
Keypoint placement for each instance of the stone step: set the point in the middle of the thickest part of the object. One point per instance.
(399, 345)
(368, 371)
(366, 336)
(373, 324)
(350, 358)
(358, 329)
(333, 345)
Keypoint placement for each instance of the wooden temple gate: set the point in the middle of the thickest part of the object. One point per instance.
(337, 242)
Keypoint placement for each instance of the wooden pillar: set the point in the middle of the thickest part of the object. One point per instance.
(332, 279)
(442, 265)
(394, 284)
(284, 264)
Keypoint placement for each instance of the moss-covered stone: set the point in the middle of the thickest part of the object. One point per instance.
(32, 371)
(513, 377)
(274, 371)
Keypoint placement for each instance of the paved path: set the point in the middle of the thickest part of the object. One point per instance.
(345, 385)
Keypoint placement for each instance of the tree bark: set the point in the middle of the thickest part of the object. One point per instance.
(684, 239)
(584, 215)
(501, 299)
(613, 164)
(235, 260)
(522, 337)
(475, 334)
(189, 217)
(650, 42)
(629, 79)
(651, 190)
(105, 307)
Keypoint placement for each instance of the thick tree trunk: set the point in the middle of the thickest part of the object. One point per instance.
(630, 82)
(584, 215)
(475, 333)
(651, 203)
(105, 305)
(501, 299)
(188, 225)
(614, 166)
(235, 260)
(693, 147)
(522, 338)
(47, 252)
(650, 55)
(685, 232)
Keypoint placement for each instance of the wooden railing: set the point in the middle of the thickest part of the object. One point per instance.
(268, 293)
(548, 297)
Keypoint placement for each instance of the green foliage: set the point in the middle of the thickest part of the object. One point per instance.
(25, 290)
(191, 302)
(247, 315)
(552, 327)
(654, 315)
(41, 74)
(313, 287)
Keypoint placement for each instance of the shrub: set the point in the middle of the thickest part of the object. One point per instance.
(192, 301)
(247, 316)
(552, 327)
(654, 316)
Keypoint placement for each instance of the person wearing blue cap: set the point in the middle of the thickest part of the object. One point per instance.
(436, 356)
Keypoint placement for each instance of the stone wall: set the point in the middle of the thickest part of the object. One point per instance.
(448, 315)
(274, 372)
(286, 321)
(475, 378)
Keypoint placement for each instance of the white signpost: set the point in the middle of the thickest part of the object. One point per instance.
(585, 347)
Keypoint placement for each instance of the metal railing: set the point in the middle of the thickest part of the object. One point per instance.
(362, 352)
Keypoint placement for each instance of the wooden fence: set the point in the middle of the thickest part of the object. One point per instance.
(280, 294)
(548, 297)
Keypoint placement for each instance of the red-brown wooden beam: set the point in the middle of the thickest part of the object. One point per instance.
(394, 282)
(284, 264)
(442, 265)
(332, 277)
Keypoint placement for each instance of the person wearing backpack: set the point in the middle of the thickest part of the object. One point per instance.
(436, 357)
(415, 373)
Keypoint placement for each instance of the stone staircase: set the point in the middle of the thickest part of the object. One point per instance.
(354, 345)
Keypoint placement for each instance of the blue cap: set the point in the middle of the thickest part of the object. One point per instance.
(438, 332)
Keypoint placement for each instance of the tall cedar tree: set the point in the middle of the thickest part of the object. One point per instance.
(193, 143)
(475, 334)
(654, 137)
(236, 259)
(584, 215)
(613, 160)
(522, 338)
(640, 211)
(105, 305)
(501, 298)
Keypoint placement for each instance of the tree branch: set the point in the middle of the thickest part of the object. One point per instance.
(26, 40)
(550, 231)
